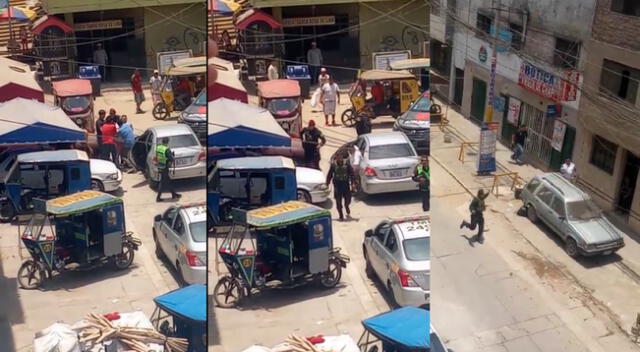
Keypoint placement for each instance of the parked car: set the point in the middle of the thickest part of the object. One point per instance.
(397, 252)
(572, 214)
(195, 115)
(388, 162)
(311, 187)
(190, 156)
(180, 236)
(105, 176)
(415, 123)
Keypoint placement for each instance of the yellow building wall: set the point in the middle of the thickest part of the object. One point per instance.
(53, 7)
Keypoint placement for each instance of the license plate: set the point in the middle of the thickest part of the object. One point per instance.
(395, 173)
(606, 252)
(182, 161)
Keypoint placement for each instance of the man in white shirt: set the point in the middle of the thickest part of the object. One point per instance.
(155, 82)
(314, 59)
(101, 59)
(568, 169)
(272, 71)
(323, 77)
(330, 97)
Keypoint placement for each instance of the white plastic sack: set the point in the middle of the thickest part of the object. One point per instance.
(315, 97)
(341, 343)
(256, 348)
(56, 338)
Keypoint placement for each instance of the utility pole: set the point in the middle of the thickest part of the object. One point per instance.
(488, 116)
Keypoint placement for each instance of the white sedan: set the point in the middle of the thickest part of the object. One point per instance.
(105, 176)
(311, 187)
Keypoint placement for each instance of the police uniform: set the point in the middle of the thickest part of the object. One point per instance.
(164, 156)
(423, 172)
(341, 175)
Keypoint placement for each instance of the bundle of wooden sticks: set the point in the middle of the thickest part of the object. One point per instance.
(137, 339)
(296, 343)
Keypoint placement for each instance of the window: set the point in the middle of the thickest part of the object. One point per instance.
(484, 22)
(626, 7)
(517, 36)
(620, 80)
(381, 232)
(178, 227)
(558, 206)
(416, 249)
(75, 173)
(169, 215)
(566, 53)
(181, 141)
(603, 154)
(198, 231)
(545, 194)
(391, 151)
(391, 243)
(533, 184)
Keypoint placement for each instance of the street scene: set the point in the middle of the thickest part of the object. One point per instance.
(92, 257)
(313, 249)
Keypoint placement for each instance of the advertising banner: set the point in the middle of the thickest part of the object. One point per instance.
(486, 162)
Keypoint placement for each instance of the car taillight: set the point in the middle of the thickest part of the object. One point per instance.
(193, 259)
(369, 172)
(202, 155)
(405, 279)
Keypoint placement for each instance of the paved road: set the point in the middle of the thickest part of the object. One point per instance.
(72, 296)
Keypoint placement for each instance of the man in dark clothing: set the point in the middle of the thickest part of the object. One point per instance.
(164, 157)
(115, 117)
(312, 140)
(363, 125)
(99, 122)
(341, 174)
(422, 175)
(477, 207)
(519, 139)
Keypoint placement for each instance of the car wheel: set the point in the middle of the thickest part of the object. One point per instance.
(97, 185)
(368, 269)
(532, 214)
(304, 196)
(159, 252)
(7, 211)
(571, 247)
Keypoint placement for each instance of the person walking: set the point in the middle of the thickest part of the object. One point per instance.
(164, 157)
(272, 71)
(314, 59)
(101, 59)
(341, 174)
(477, 207)
(323, 77)
(329, 98)
(154, 82)
(568, 169)
(99, 123)
(136, 87)
(422, 175)
(519, 140)
(312, 141)
(109, 133)
(127, 138)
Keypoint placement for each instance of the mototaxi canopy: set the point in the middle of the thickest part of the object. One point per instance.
(72, 87)
(279, 88)
(80, 202)
(188, 303)
(279, 215)
(227, 85)
(384, 75)
(409, 64)
(407, 327)
(18, 81)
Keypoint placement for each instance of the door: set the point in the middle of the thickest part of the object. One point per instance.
(177, 241)
(459, 87)
(319, 244)
(112, 229)
(387, 255)
(165, 229)
(540, 133)
(478, 100)
(139, 152)
(377, 244)
(150, 149)
(543, 200)
(283, 186)
(628, 184)
(559, 215)
(78, 177)
(558, 157)
(508, 129)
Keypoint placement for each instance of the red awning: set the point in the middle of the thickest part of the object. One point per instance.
(255, 15)
(49, 22)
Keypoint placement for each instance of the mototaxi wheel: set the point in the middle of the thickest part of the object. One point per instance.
(7, 211)
(349, 118)
(160, 111)
(31, 274)
(331, 277)
(228, 292)
(124, 259)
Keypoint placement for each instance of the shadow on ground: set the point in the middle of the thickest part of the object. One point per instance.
(400, 198)
(72, 279)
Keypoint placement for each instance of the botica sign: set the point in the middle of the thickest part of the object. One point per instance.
(547, 84)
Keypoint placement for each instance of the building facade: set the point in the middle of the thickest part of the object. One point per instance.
(539, 55)
(139, 29)
(608, 160)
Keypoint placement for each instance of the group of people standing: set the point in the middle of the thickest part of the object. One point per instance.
(116, 138)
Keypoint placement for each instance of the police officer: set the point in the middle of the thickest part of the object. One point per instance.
(341, 174)
(422, 175)
(476, 208)
(363, 125)
(312, 141)
(164, 155)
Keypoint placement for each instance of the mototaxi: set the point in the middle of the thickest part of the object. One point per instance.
(182, 313)
(287, 244)
(283, 99)
(405, 329)
(43, 174)
(193, 70)
(422, 66)
(400, 87)
(76, 231)
(75, 97)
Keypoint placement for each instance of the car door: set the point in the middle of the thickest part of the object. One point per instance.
(177, 239)
(388, 255)
(544, 197)
(150, 146)
(364, 157)
(559, 215)
(139, 151)
(166, 225)
(377, 243)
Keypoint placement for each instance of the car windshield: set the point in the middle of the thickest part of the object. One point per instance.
(74, 104)
(390, 151)
(282, 106)
(582, 210)
(422, 105)
(416, 249)
(201, 100)
(181, 141)
(198, 231)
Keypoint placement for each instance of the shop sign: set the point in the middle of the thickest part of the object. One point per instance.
(554, 110)
(559, 129)
(309, 21)
(547, 84)
(486, 162)
(90, 26)
(165, 59)
(482, 54)
(499, 104)
(382, 60)
(514, 111)
(505, 36)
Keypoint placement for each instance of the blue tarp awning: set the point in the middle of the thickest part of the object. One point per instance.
(188, 303)
(25, 121)
(408, 326)
(233, 124)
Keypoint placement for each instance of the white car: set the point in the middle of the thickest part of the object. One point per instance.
(311, 187)
(105, 176)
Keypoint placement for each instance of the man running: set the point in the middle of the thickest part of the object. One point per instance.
(477, 207)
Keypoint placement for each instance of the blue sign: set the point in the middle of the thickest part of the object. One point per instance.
(499, 104)
(487, 151)
(505, 36)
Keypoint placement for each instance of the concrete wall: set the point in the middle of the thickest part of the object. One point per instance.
(378, 32)
(186, 32)
(437, 21)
